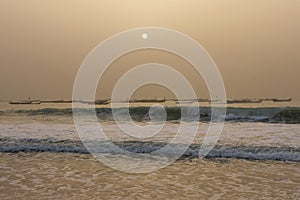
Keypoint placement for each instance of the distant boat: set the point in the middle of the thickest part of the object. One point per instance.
(25, 102)
(267, 99)
(244, 101)
(102, 102)
(20, 102)
(184, 102)
(97, 102)
(56, 101)
(147, 100)
(203, 100)
(282, 100)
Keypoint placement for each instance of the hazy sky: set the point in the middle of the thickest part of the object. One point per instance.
(256, 44)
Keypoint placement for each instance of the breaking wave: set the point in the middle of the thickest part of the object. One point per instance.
(10, 145)
(267, 114)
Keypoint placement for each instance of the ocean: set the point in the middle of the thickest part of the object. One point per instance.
(256, 156)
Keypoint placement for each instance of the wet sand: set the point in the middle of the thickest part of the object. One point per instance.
(80, 176)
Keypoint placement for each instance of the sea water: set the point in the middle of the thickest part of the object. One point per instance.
(257, 155)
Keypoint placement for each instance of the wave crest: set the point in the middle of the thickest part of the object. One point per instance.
(10, 145)
(270, 115)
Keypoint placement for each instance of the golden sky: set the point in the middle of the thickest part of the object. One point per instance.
(255, 44)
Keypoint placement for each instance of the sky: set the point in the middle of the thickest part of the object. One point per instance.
(255, 44)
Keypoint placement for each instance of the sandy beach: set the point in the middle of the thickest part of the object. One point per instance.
(75, 176)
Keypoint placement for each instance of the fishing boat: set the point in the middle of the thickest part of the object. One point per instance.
(184, 102)
(102, 102)
(25, 102)
(204, 100)
(20, 102)
(56, 101)
(282, 100)
(97, 102)
(244, 101)
(147, 100)
(267, 99)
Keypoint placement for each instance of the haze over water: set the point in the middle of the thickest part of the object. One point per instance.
(256, 47)
(255, 44)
